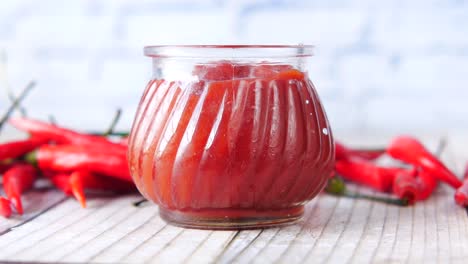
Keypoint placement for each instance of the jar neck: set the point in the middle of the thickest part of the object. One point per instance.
(180, 60)
(186, 68)
(229, 51)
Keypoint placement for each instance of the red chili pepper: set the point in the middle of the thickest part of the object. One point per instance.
(18, 179)
(4, 167)
(366, 173)
(76, 182)
(410, 150)
(61, 181)
(427, 184)
(124, 141)
(461, 195)
(5, 207)
(68, 158)
(406, 187)
(16, 149)
(63, 135)
(343, 152)
(103, 183)
(77, 188)
(70, 186)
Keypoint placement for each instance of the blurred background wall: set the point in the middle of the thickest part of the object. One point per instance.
(380, 66)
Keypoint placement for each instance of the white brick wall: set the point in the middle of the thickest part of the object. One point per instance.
(381, 66)
(332, 29)
(420, 29)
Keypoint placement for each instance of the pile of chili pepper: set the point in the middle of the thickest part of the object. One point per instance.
(73, 162)
(414, 181)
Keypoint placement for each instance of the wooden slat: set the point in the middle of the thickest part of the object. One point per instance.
(418, 240)
(353, 233)
(271, 243)
(48, 230)
(131, 241)
(43, 222)
(443, 229)
(34, 203)
(404, 234)
(387, 239)
(154, 244)
(457, 219)
(211, 247)
(74, 238)
(332, 232)
(262, 240)
(372, 234)
(431, 241)
(190, 238)
(241, 242)
(310, 230)
(114, 228)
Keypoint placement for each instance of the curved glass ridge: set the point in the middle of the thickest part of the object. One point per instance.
(259, 144)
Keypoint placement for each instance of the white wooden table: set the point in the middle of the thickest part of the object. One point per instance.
(333, 230)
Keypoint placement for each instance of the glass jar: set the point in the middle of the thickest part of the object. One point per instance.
(230, 137)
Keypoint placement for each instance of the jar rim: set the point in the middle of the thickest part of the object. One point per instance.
(231, 51)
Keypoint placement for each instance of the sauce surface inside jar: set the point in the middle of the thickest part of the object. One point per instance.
(238, 141)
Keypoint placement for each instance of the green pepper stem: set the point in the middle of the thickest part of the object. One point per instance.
(441, 147)
(16, 103)
(22, 110)
(52, 120)
(140, 202)
(113, 133)
(31, 158)
(114, 122)
(387, 200)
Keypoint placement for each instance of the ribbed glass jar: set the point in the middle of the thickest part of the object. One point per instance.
(230, 137)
